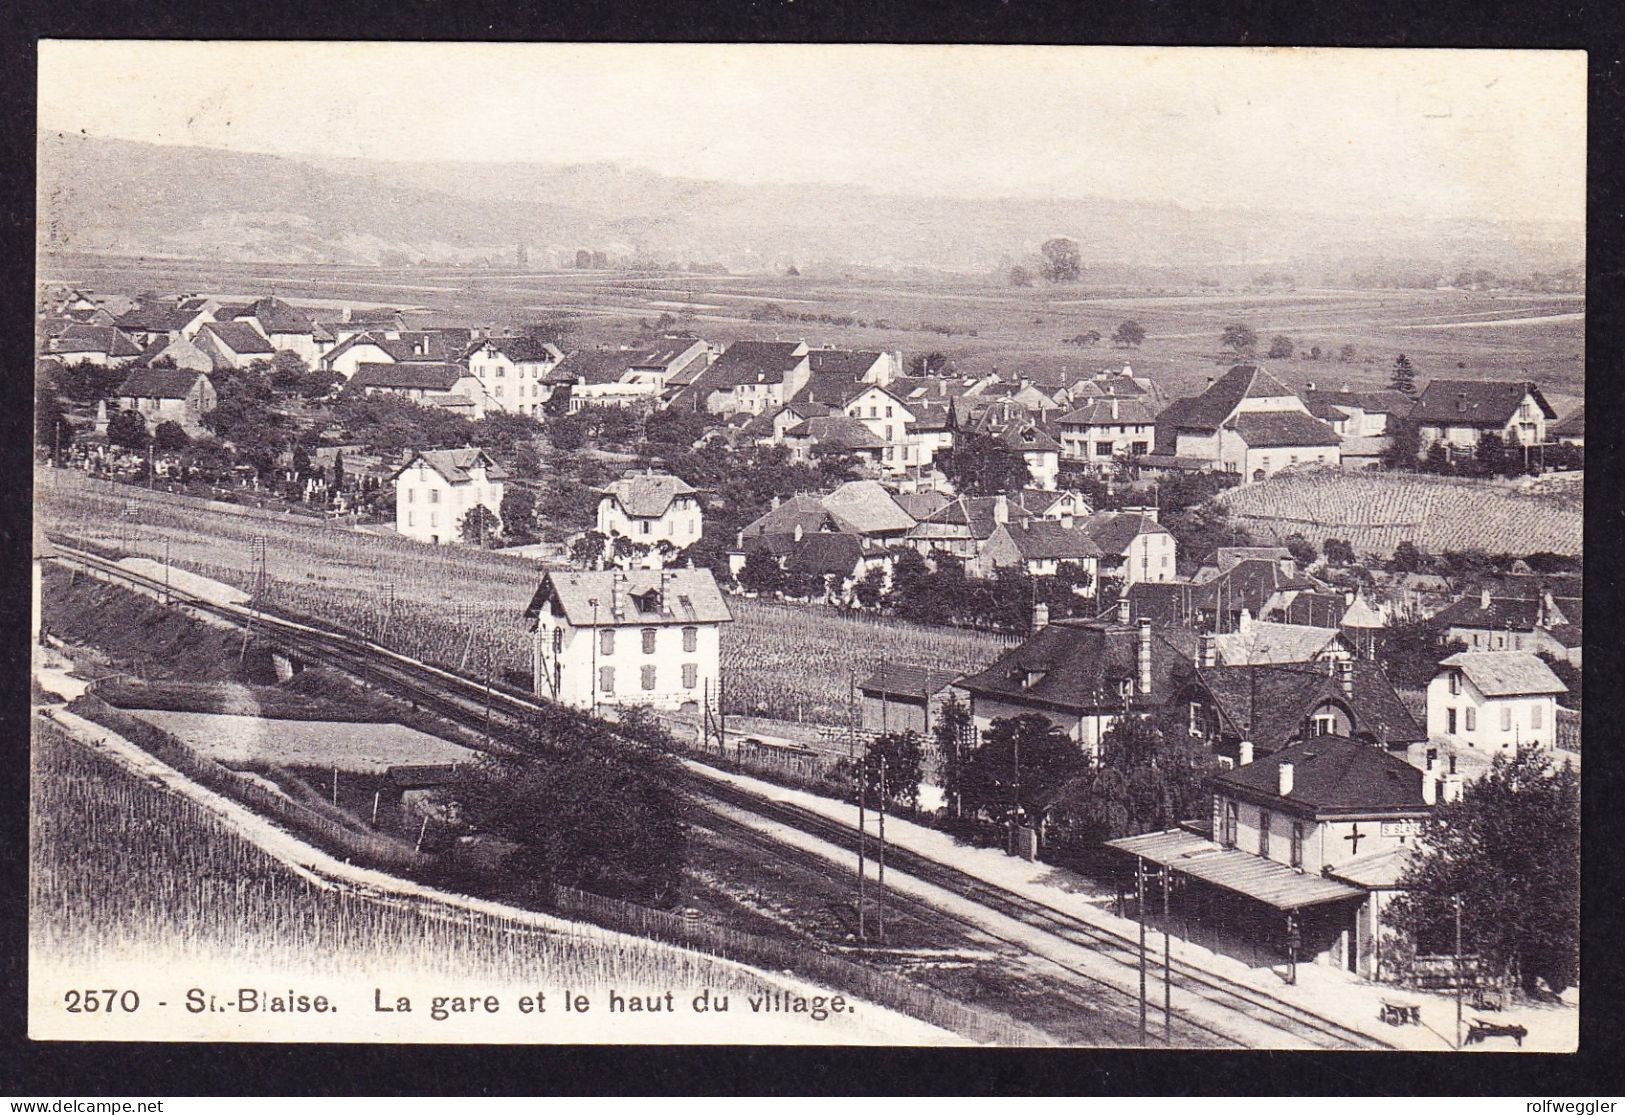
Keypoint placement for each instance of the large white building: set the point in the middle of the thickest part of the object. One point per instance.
(1494, 700)
(650, 508)
(643, 637)
(1247, 423)
(514, 372)
(436, 488)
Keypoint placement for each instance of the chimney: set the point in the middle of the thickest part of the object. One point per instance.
(1122, 608)
(1114, 408)
(1284, 780)
(1210, 381)
(1345, 677)
(1040, 617)
(1310, 385)
(1244, 756)
(1430, 787)
(1484, 598)
(799, 532)
(1001, 508)
(1208, 654)
(1144, 657)
(1451, 785)
(1547, 606)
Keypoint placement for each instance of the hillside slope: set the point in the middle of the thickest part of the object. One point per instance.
(1376, 511)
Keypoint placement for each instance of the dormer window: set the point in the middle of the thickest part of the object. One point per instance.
(647, 601)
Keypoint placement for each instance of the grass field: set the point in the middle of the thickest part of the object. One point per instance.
(1376, 511)
(464, 608)
(992, 325)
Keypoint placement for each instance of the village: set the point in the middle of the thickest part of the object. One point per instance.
(1257, 731)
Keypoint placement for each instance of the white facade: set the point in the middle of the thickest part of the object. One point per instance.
(429, 507)
(1463, 714)
(516, 386)
(888, 418)
(347, 362)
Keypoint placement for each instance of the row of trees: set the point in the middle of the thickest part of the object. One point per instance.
(1242, 340)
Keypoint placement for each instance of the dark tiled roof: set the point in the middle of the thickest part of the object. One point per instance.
(829, 388)
(1046, 539)
(1163, 602)
(454, 464)
(1316, 609)
(590, 366)
(1098, 412)
(1114, 531)
(752, 362)
(1331, 774)
(647, 495)
(1028, 437)
(278, 317)
(805, 511)
(1283, 429)
(239, 337)
(894, 679)
(836, 361)
(677, 596)
(1247, 584)
(94, 338)
(837, 431)
(822, 553)
(1572, 425)
(1268, 704)
(1505, 613)
(1372, 402)
(521, 350)
(1210, 409)
(426, 377)
(1079, 664)
(158, 383)
(155, 317)
(1475, 402)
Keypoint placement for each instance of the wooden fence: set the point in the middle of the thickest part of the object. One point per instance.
(883, 988)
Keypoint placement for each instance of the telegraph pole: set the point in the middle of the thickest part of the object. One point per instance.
(592, 682)
(862, 830)
(1456, 902)
(1167, 965)
(1139, 914)
(880, 895)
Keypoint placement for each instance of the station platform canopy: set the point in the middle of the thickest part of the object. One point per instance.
(1274, 884)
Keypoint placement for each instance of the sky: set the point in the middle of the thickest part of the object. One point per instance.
(1439, 133)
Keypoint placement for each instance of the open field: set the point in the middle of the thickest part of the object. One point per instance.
(237, 740)
(464, 608)
(1376, 511)
(991, 325)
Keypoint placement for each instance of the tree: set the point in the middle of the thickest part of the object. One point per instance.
(1239, 338)
(478, 524)
(1021, 762)
(792, 272)
(1491, 457)
(127, 429)
(1302, 550)
(1151, 776)
(567, 432)
(1345, 355)
(318, 383)
(1567, 673)
(1020, 276)
(518, 511)
(602, 814)
(1404, 444)
(288, 370)
(980, 465)
(1437, 459)
(1339, 551)
(1410, 652)
(870, 588)
(1403, 377)
(1281, 347)
(589, 550)
(1128, 334)
(952, 736)
(761, 573)
(1062, 262)
(1509, 851)
(169, 437)
(927, 364)
(1407, 558)
(904, 762)
(52, 430)
(674, 427)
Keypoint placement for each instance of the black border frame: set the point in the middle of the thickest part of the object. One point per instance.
(48, 1070)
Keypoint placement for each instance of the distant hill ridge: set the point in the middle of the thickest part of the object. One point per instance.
(120, 197)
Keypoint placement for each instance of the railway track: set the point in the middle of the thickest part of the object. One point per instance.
(482, 706)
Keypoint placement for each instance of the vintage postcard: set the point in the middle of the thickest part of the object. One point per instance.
(851, 545)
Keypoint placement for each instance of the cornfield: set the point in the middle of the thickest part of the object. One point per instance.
(463, 608)
(1376, 511)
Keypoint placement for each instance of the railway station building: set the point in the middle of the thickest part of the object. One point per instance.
(1301, 854)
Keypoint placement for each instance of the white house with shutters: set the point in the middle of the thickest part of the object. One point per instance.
(436, 488)
(638, 637)
(650, 508)
(1496, 700)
